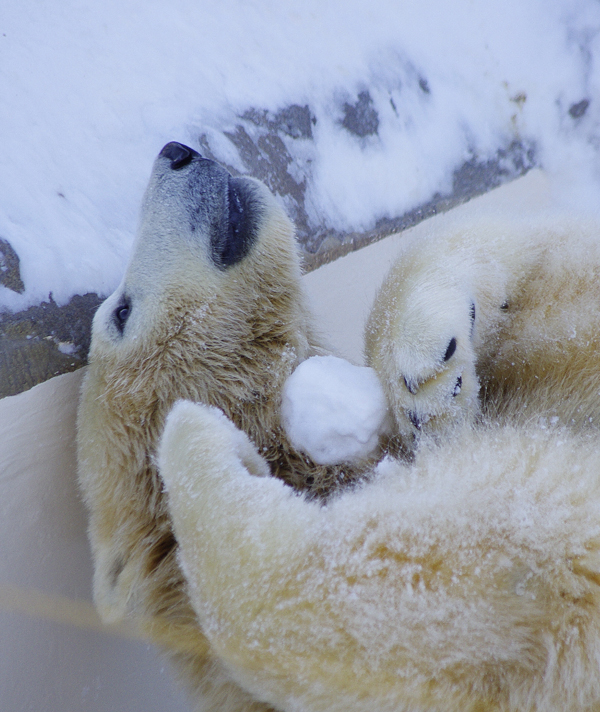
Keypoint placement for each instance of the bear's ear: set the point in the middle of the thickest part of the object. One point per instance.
(232, 243)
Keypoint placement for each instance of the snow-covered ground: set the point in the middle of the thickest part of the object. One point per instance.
(394, 98)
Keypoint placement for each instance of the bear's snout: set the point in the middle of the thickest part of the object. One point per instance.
(178, 154)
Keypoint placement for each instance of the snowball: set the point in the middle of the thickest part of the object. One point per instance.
(334, 411)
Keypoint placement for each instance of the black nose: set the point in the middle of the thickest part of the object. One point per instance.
(178, 154)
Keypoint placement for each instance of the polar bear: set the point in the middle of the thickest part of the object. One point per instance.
(210, 309)
(466, 580)
(499, 313)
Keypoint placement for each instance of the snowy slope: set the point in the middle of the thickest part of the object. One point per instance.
(387, 101)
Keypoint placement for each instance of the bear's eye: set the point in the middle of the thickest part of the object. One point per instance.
(121, 314)
(450, 350)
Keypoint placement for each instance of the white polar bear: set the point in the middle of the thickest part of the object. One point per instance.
(468, 580)
(499, 313)
(465, 580)
(210, 309)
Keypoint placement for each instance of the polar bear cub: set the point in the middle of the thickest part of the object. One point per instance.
(499, 314)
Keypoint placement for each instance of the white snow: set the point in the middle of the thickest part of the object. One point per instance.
(334, 411)
(91, 92)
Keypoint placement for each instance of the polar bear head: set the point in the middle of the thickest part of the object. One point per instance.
(419, 339)
(210, 309)
(211, 299)
(210, 249)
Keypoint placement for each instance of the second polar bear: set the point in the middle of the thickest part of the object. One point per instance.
(499, 313)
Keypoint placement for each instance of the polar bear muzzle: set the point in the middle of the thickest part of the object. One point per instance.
(223, 209)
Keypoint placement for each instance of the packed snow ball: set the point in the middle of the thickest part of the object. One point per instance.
(334, 411)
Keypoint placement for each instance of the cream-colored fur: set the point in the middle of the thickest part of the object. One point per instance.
(466, 581)
(182, 326)
(533, 347)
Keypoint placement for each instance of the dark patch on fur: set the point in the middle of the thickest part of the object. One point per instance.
(410, 385)
(10, 274)
(161, 550)
(414, 419)
(457, 386)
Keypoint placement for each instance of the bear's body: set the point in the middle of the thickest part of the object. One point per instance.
(210, 309)
(466, 581)
(496, 313)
